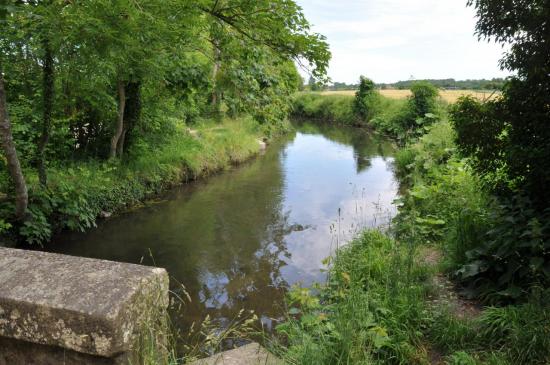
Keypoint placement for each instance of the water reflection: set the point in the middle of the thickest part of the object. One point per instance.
(239, 239)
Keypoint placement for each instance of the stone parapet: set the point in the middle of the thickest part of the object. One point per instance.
(79, 310)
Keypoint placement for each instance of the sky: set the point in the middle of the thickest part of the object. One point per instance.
(392, 40)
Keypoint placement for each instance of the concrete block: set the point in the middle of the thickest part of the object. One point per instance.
(78, 307)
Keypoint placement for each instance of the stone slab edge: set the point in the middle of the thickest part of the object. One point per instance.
(103, 333)
(251, 354)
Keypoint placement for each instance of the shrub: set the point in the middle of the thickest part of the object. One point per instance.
(511, 257)
(367, 101)
(326, 108)
(414, 118)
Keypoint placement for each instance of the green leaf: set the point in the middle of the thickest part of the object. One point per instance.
(294, 311)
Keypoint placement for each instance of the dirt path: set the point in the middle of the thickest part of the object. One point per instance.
(446, 295)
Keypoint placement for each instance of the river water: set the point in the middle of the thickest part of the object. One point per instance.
(242, 238)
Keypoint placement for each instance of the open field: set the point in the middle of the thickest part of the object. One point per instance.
(450, 96)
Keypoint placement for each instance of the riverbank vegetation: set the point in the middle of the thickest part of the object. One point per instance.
(102, 105)
(462, 276)
(399, 119)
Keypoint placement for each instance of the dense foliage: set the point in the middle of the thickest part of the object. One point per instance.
(366, 101)
(399, 119)
(507, 142)
(93, 88)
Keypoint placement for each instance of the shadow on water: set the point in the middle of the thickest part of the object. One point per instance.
(240, 239)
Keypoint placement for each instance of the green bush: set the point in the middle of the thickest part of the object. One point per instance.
(414, 117)
(336, 109)
(367, 101)
(511, 257)
(428, 155)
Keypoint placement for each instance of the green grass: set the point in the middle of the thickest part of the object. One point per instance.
(77, 193)
(370, 312)
(381, 305)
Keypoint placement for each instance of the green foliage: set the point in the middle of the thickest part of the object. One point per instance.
(326, 108)
(402, 120)
(512, 256)
(365, 313)
(427, 155)
(413, 118)
(507, 141)
(452, 84)
(481, 135)
(78, 194)
(423, 100)
(514, 253)
(366, 101)
(161, 55)
(497, 250)
(343, 109)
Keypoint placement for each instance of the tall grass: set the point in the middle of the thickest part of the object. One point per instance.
(383, 303)
(159, 341)
(367, 313)
(78, 194)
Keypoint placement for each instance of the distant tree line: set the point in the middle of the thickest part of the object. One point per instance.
(482, 84)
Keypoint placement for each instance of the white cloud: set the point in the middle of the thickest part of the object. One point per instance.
(390, 40)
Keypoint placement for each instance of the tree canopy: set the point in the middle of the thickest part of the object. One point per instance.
(91, 79)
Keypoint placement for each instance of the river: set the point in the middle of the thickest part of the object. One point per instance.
(242, 238)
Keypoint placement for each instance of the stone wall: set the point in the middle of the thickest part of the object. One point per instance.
(57, 309)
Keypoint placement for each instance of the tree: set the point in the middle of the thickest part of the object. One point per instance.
(8, 146)
(423, 100)
(47, 15)
(250, 42)
(421, 110)
(519, 137)
(507, 141)
(131, 42)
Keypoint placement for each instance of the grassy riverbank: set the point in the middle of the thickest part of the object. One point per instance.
(400, 119)
(339, 109)
(423, 292)
(79, 193)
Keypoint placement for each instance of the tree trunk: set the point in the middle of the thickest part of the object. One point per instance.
(132, 114)
(120, 122)
(14, 167)
(120, 146)
(216, 95)
(48, 95)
